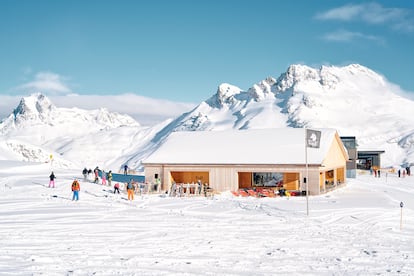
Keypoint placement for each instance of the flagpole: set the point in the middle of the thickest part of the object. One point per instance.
(307, 174)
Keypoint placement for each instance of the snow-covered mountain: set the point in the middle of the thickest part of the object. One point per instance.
(38, 110)
(353, 99)
(38, 130)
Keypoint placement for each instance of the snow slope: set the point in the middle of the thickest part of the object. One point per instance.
(354, 230)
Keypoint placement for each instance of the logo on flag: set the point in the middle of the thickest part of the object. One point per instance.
(313, 138)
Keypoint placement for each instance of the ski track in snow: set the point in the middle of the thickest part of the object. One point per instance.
(350, 231)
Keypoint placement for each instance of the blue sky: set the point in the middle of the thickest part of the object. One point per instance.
(182, 50)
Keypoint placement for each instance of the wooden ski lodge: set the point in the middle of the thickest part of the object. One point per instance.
(235, 159)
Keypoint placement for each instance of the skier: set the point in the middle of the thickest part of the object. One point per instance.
(89, 173)
(199, 186)
(103, 176)
(96, 172)
(109, 178)
(52, 180)
(85, 173)
(205, 189)
(130, 190)
(75, 189)
(116, 188)
(173, 190)
(157, 184)
(125, 169)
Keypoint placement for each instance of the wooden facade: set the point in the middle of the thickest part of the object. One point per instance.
(323, 176)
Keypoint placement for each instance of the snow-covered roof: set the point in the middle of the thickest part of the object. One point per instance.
(252, 146)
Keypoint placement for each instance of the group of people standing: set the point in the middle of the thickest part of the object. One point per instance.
(106, 179)
(403, 172)
(179, 190)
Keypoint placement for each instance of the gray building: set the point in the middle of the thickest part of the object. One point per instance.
(360, 159)
(351, 146)
(368, 159)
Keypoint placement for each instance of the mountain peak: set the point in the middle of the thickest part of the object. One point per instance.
(327, 76)
(37, 111)
(225, 94)
(262, 89)
(294, 74)
(35, 106)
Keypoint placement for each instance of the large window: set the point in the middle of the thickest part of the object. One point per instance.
(267, 179)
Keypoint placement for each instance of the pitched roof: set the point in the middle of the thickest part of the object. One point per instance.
(252, 146)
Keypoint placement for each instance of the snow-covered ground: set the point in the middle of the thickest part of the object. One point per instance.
(355, 230)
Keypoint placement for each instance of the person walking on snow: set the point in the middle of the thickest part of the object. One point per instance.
(109, 178)
(130, 190)
(75, 189)
(125, 169)
(52, 180)
(96, 172)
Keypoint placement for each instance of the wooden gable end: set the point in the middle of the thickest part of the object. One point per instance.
(336, 155)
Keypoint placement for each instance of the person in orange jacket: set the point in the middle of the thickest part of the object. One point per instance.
(130, 189)
(75, 189)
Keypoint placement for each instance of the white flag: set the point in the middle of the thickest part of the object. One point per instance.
(313, 138)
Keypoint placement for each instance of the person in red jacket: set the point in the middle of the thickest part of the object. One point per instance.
(75, 189)
(116, 188)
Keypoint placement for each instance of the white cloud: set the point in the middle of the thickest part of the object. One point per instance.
(147, 111)
(372, 13)
(48, 83)
(369, 12)
(348, 36)
(344, 13)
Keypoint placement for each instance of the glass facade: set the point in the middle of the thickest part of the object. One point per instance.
(267, 179)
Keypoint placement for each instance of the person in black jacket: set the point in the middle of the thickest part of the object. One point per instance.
(52, 180)
(85, 174)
